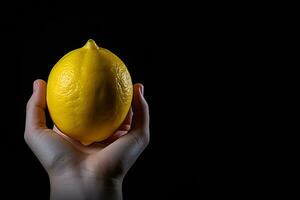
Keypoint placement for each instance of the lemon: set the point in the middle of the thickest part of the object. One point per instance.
(89, 93)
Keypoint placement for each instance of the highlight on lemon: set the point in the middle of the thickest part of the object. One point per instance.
(89, 93)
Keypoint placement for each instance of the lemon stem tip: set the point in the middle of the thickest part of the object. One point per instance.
(91, 44)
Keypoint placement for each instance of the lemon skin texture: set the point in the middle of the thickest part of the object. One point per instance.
(89, 93)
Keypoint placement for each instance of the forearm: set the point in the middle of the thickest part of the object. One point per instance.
(63, 188)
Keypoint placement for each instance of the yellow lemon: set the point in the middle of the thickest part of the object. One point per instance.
(89, 93)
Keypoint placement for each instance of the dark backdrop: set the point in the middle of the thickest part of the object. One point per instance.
(167, 48)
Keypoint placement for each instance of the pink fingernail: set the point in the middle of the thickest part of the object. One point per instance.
(35, 85)
(142, 89)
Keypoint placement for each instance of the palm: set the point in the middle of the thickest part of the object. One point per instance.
(110, 158)
(94, 158)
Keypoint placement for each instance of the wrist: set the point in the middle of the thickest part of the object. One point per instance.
(77, 187)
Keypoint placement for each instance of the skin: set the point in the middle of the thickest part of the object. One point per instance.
(86, 172)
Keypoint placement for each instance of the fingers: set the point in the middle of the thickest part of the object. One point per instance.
(35, 112)
(127, 148)
(48, 146)
(140, 122)
(127, 122)
(140, 108)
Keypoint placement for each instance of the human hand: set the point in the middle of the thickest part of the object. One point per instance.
(86, 172)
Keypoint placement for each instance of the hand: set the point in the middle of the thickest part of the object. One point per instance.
(86, 172)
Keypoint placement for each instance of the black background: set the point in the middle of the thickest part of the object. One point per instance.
(169, 48)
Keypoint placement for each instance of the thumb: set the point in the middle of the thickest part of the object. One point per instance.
(35, 111)
(140, 109)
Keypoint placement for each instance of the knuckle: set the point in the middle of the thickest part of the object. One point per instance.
(146, 105)
(28, 105)
(26, 134)
(142, 140)
(25, 137)
(147, 139)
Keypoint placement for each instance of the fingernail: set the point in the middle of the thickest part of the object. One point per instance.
(142, 90)
(35, 85)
